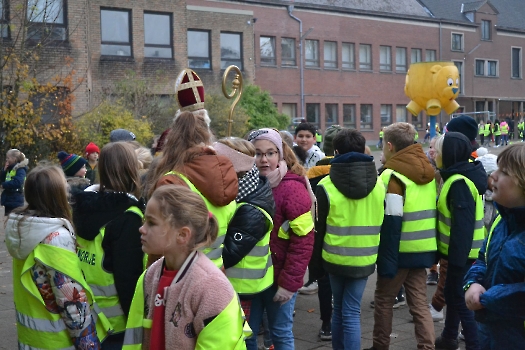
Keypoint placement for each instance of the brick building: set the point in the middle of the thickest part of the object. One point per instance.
(354, 61)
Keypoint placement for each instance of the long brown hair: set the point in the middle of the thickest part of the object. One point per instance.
(45, 192)
(181, 207)
(183, 143)
(291, 161)
(118, 168)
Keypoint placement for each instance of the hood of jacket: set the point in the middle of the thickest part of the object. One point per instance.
(23, 232)
(294, 177)
(262, 196)
(214, 176)
(474, 171)
(412, 163)
(353, 174)
(22, 164)
(92, 210)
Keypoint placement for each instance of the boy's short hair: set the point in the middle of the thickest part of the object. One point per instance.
(306, 126)
(512, 162)
(400, 135)
(349, 140)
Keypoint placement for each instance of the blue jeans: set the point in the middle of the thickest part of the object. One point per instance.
(280, 319)
(346, 318)
(457, 309)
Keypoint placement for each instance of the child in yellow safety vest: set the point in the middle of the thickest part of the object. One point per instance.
(12, 179)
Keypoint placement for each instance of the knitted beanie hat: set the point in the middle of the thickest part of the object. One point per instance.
(269, 135)
(329, 135)
(71, 163)
(465, 125)
(92, 148)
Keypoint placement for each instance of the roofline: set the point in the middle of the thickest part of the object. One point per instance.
(510, 29)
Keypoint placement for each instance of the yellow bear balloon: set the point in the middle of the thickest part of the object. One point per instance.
(432, 86)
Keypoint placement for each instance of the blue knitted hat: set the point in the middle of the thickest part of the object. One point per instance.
(71, 163)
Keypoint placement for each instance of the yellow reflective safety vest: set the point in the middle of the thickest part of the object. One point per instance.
(37, 327)
(254, 273)
(101, 282)
(445, 217)
(352, 226)
(213, 336)
(505, 129)
(223, 215)
(418, 228)
(11, 174)
(487, 129)
(381, 133)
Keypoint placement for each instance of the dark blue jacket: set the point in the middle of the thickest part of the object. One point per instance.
(12, 194)
(503, 276)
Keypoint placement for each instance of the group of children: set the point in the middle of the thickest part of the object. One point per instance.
(229, 230)
(498, 132)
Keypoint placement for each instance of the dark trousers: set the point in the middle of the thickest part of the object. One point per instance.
(457, 310)
(325, 298)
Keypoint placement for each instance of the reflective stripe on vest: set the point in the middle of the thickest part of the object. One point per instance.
(101, 282)
(254, 273)
(494, 224)
(445, 218)
(136, 322)
(418, 229)
(223, 215)
(37, 327)
(352, 226)
(301, 226)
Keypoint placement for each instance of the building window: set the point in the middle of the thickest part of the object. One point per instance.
(365, 57)
(485, 30)
(480, 67)
(459, 66)
(401, 59)
(311, 50)
(401, 113)
(457, 42)
(51, 104)
(417, 121)
(330, 54)
(386, 115)
(415, 55)
(366, 117)
(4, 19)
(385, 58)
(199, 49)
(47, 20)
(430, 55)
(267, 47)
(330, 117)
(115, 27)
(231, 50)
(288, 52)
(492, 68)
(312, 113)
(290, 109)
(349, 115)
(157, 35)
(348, 51)
(516, 62)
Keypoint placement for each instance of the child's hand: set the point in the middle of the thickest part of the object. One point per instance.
(472, 296)
(282, 295)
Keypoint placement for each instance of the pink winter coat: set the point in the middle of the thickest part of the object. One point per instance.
(290, 256)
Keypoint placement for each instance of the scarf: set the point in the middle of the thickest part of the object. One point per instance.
(276, 175)
(248, 183)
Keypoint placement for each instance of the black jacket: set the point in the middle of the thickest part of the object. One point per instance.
(355, 176)
(248, 226)
(123, 254)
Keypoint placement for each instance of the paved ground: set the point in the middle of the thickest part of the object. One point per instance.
(306, 324)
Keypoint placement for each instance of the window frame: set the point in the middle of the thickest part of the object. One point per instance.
(317, 116)
(418, 53)
(496, 74)
(289, 62)
(333, 64)
(309, 62)
(352, 122)
(46, 26)
(479, 68)
(362, 125)
(241, 49)
(130, 33)
(385, 66)
(434, 53)
(462, 43)
(368, 64)
(170, 46)
(520, 60)
(351, 62)
(293, 109)
(486, 68)
(4, 21)
(334, 107)
(389, 121)
(486, 30)
(209, 57)
(404, 115)
(405, 65)
(267, 60)
(461, 75)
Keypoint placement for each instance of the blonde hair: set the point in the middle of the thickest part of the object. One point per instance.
(512, 162)
(438, 145)
(180, 207)
(400, 135)
(19, 156)
(144, 157)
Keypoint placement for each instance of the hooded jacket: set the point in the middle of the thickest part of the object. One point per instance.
(290, 257)
(355, 176)
(123, 256)
(12, 194)
(249, 222)
(23, 235)
(456, 153)
(414, 164)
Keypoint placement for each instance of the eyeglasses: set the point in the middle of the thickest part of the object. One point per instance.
(268, 155)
